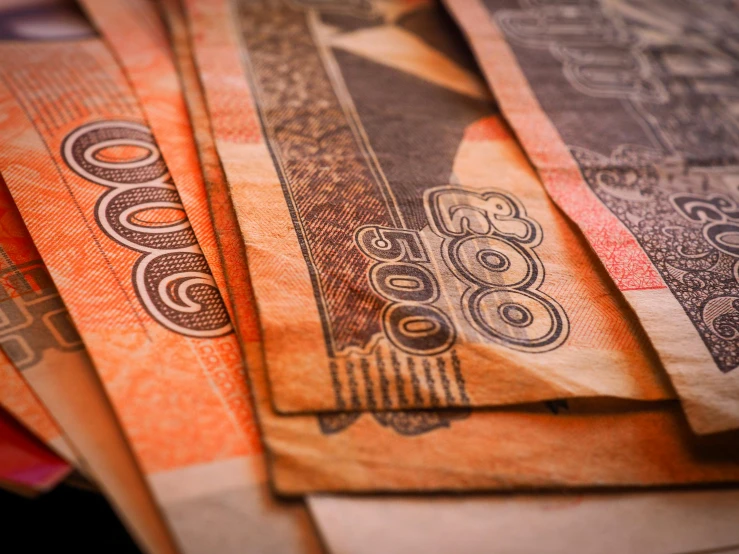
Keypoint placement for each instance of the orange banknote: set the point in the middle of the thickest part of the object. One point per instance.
(94, 190)
(44, 345)
(395, 264)
(232, 257)
(628, 114)
(137, 37)
(553, 445)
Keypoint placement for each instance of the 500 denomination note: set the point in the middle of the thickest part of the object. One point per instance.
(561, 444)
(394, 266)
(628, 111)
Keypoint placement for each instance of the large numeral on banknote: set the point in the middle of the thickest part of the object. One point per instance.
(488, 243)
(596, 52)
(409, 321)
(142, 211)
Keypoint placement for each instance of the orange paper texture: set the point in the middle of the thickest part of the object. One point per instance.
(139, 39)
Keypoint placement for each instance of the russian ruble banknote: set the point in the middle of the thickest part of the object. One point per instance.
(628, 112)
(576, 443)
(97, 197)
(266, 523)
(353, 152)
(46, 351)
(402, 256)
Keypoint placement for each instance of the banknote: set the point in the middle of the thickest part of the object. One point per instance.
(549, 445)
(232, 263)
(95, 193)
(395, 264)
(138, 37)
(627, 109)
(159, 94)
(664, 522)
(530, 447)
(18, 399)
(42, 343)
(232, 254)
(27, 466)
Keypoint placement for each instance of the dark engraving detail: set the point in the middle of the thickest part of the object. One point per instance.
(353, 7)
(334, 176)
(171, 278)
(690, 238)
(459, 378)
(331, 424)
(597, 54)
(388, 380)
(719, 216)
(32, 315)
(42, 21)
(324, 169)
(409, 320)
(656, 136)
(489, 244)
(411, 423)
(722, 315)
(354, 158)
(408, 423)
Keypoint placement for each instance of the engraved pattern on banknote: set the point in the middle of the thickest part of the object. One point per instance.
(489, 244)
(597, 53)
(719, 218)
(141, 210)
(689, 236)
(408, 423)
(413, 422)
(326, 163)
(323, 168)
(677, 81)
(353, 7)
(390, 380)
(35, 21)
(32, 315)
(387, 320)
(410, 320)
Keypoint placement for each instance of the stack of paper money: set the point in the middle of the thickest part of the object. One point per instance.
(263, 258)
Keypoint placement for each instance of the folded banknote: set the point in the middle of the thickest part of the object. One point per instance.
(628, 112)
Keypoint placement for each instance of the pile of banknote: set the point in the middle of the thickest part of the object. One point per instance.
(261, 260)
